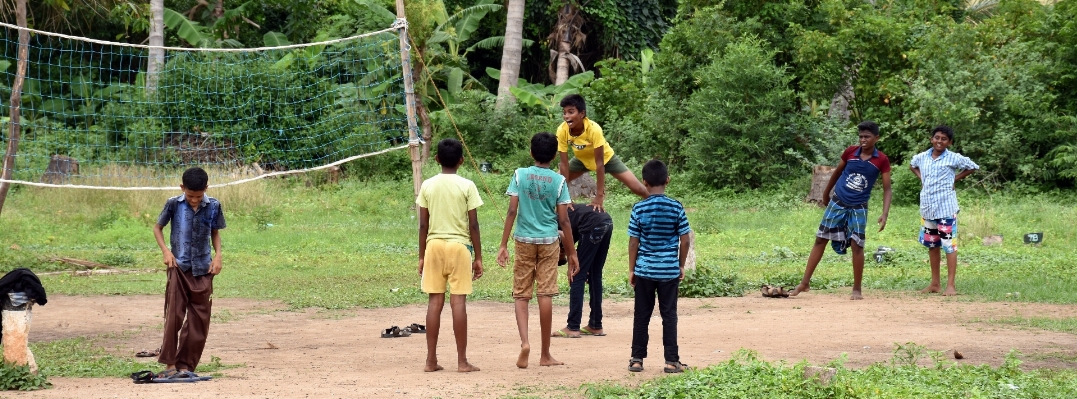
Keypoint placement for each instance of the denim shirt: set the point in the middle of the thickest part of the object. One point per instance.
(191, 233)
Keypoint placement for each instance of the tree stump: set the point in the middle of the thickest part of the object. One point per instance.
(61, 167)
(583, 187)
(819, 178)
(334, 174)
(16, 321)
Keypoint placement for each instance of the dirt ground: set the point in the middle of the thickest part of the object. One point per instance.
(331, 354)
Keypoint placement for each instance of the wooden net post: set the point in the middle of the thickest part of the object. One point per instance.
(16, 102)
(409, 100)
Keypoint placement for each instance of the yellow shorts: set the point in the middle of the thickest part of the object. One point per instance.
(536, 264)
(447, 262)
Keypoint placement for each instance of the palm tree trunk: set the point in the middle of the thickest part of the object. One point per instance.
(157, 39)
(513, 52)
(563, 36)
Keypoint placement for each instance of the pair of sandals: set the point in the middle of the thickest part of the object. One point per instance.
(147, 353)
(770, 291)
(167, 376)
(397, 332)
(635, 365)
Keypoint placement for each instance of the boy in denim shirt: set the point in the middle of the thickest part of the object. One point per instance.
(196, 223)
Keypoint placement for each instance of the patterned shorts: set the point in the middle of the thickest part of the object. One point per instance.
(939, 233)
(843, 225)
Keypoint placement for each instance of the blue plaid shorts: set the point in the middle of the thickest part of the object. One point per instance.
(843, 225)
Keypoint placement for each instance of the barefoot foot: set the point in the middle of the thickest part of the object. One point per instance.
(856, 296)
(525, 351)
(549, 361)
(931, 289)
(466, 367)
(432, 367)
(799, 289)
(950, 291)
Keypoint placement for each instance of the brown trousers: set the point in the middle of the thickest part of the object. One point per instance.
(186, 297)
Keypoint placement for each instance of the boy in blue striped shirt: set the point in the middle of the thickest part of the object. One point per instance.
(657, 247)
(938, 169)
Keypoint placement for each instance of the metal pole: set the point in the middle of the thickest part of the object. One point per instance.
(409, 92)
(16, 102)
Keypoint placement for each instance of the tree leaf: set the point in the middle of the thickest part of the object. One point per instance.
(493, 42)
(4, 65)
(493, 73)
(528, 98)
(378, 10)
(275, 39)
(456, 80)
(186, 29)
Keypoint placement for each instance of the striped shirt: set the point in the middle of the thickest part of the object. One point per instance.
(658, 222)
(938, 199)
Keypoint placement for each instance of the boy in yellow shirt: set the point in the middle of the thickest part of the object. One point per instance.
(448, 239)
(588, 145)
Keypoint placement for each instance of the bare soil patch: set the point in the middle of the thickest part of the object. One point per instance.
(340, 353)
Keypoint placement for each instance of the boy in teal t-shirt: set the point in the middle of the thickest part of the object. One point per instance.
(540, 197)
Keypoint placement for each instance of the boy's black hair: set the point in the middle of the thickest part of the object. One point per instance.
(655, 173)
(574, 100)
(543, 147)
(945, 130)
(450, 152)
(868, 126)
(195, 179)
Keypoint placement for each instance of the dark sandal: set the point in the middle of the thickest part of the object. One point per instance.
(143, 377)
(146, 353)
(165, 374)
(632, 365)
(395, 332)
(417, 328)
(678, 367)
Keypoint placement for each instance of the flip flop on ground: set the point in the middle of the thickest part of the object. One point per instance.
(395, 332)
(417, 328)
(146, 353)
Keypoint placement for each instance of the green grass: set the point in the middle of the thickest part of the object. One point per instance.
(746, 376)
(354, 244)
(1066, 325)
(81, 357)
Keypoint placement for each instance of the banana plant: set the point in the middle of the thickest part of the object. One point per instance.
(547, 98)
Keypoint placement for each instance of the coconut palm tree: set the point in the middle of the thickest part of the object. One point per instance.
(512, 52)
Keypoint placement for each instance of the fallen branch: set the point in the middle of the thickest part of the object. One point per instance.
(107, 272)
(79, 262)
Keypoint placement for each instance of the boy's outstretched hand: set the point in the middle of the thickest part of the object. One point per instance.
(476, 269)
(597, 204)
(502, 256)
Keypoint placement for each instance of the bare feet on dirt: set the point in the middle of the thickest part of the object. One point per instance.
(931, 289)
(799, 289)
(466, 368)
(525, 351)
(431, 367)
(950, 291)
(856, 296)
(549, 361)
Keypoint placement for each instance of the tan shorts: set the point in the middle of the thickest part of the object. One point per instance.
(535, 264)
(447, 262)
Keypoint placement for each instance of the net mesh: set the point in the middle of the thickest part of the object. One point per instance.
(238, 113)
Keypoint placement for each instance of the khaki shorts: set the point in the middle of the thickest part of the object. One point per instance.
(614, 166)
(447, 262)
(535, 264)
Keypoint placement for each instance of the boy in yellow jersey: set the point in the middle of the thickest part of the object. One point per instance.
(589, 145)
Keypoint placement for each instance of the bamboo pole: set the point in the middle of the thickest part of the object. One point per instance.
(409, 92)
(16, 102)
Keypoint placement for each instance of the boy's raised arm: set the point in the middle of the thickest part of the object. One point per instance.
(424, 231)
(510, 219)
